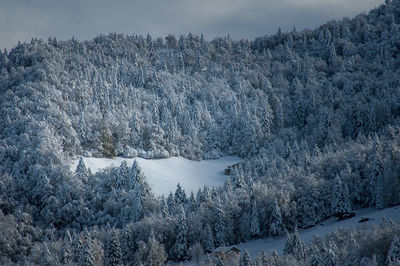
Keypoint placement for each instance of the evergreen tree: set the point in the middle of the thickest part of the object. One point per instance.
(86, 257)
(46, 258)
(180, 195)
(263, 258)
(315, 260)
(140, 254)
(275, 255)
(192, 206)
(237, 178)
(209, 239)
(77, 247)
(340, 200)
(295, 247)
(122, 182)
(67, 253)
(171, 203)
(128, 243)
(156, 255)
(180, 248)
(81, 172)
(393, 256)
(200, 196)
(219, 226)
(276, 226)
(266, 117)
(288, 249)
(107, 141)
(246, 259)
(332, 57)
(254, 220)
(164, 207)
(133, 209)
(113, 254)
(376, 176)
(138, 180)
(330, 258)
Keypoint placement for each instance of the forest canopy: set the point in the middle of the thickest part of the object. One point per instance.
(314, 114)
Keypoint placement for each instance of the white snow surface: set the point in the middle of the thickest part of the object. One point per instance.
(164, 174)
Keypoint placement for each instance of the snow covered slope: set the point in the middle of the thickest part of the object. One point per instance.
(164, 174)
(268, 244)
(255, 247)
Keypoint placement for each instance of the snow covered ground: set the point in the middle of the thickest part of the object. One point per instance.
(164, 174)
(375, 217)
(269, 244)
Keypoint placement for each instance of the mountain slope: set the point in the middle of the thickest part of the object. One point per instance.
(314, 114)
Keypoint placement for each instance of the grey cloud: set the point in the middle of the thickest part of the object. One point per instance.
(84, 19)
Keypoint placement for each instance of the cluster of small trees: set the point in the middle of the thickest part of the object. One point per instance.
(315, 114)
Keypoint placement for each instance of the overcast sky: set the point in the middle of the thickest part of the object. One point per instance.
(84, 19)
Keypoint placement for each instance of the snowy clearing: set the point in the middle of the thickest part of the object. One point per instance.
(164, 174)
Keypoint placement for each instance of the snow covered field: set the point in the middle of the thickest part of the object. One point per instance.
(164, 174)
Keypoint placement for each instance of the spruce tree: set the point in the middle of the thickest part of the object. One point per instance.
(288, 249)
(171, 203)
(164, 207)
(219, 226)
(46, 258)
(340, 200)
(180, 248)
(295, 247)
(139, 258)
(86, 257)
(113, 254)
(133, 209)
(237, 178)
(77, 246)
(136, 179)
(155, 255)
(330, 258)
(263, 258)
(180, 195)
(122, 181)
(192, 206)
(67, 253)
(276, 226)
(377, 178)
(209, 240)
(128, 243)
(393, 256)
(254, 220)
(315, 259)
(275, 255)
(81, 172)
(246, 259)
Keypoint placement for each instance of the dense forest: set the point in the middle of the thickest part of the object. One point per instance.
(314, 114)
